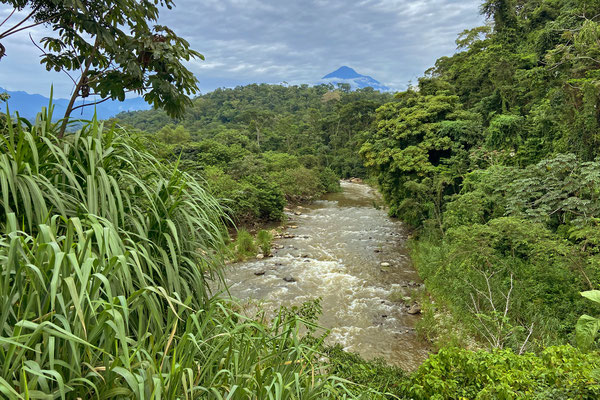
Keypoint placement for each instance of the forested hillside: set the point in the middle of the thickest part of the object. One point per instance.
(493, 158)
(259, 146)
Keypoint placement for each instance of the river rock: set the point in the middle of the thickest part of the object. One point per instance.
(297, 213)
(289, 279)
(260, 256)
(293, 226)
(385, 265)
(259, 273)
(414, 309)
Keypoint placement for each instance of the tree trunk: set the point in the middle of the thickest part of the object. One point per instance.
(69, 110)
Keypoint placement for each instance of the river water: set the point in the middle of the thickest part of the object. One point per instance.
(337, 251)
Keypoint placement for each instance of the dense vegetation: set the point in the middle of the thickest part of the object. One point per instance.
(106, 258)
(494, 158)
(260, 146)
(110, 238)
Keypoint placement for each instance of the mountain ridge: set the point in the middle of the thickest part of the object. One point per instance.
(347, 75)
(30, 104)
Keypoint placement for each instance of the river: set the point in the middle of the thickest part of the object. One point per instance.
(340, 243)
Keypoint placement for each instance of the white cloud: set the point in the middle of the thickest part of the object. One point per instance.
(394, 41)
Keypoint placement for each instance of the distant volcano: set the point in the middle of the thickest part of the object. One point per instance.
(357, 81)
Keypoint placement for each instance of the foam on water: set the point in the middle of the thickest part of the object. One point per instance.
(336, 255)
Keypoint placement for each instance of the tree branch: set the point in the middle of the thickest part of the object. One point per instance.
(44, 52)
(90, 104)
(9, 15)
(9, 32)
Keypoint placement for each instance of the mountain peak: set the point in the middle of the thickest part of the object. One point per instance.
(343, 73)
(354, 79)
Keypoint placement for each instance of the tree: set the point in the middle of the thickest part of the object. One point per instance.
(113, 48)
(502, 11)
(171, 135)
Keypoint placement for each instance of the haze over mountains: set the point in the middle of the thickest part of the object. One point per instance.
(30, 104)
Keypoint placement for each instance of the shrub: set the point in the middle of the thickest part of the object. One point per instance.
(264, 240)
(298, 184)
(545, 286)
(557, 373)
(330, 182)
(244, 245)
(370, 377)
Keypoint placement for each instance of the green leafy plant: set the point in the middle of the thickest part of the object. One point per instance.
(557, 372)
(587, 327)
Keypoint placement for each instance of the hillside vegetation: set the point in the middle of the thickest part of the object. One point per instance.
(260, 146)
(493, 157)
(110, 237)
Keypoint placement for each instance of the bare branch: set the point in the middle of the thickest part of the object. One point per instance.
(12, 30)
(43, 52)
(522, 350)
(9, 15)
(90, 104)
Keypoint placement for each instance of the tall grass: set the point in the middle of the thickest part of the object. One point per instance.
(104, 256)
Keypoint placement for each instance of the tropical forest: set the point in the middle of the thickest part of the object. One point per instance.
(297, 241)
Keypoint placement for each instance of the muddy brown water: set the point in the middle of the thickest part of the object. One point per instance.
(336, 254)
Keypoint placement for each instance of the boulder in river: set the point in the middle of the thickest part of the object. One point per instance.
(260, 256)
(414, 309)
(289, 279)
(259, 273)
(297, 213)
(385, 265)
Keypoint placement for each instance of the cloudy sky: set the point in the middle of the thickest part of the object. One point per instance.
(296, 41)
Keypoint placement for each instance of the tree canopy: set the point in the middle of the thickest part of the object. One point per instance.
(110, 48)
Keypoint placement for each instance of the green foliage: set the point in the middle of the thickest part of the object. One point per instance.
(106, 253)
(415, 151)
(116, 49)
(330, 182)
(298, 184)
(298, 120)
(561, 190)
(556, 373)
(368, 376)
(587, 327)
(244, 245)
(505, 131)
(249, 199)
(171, 135)
(495, 160)
(264, 239)
(507, 253)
